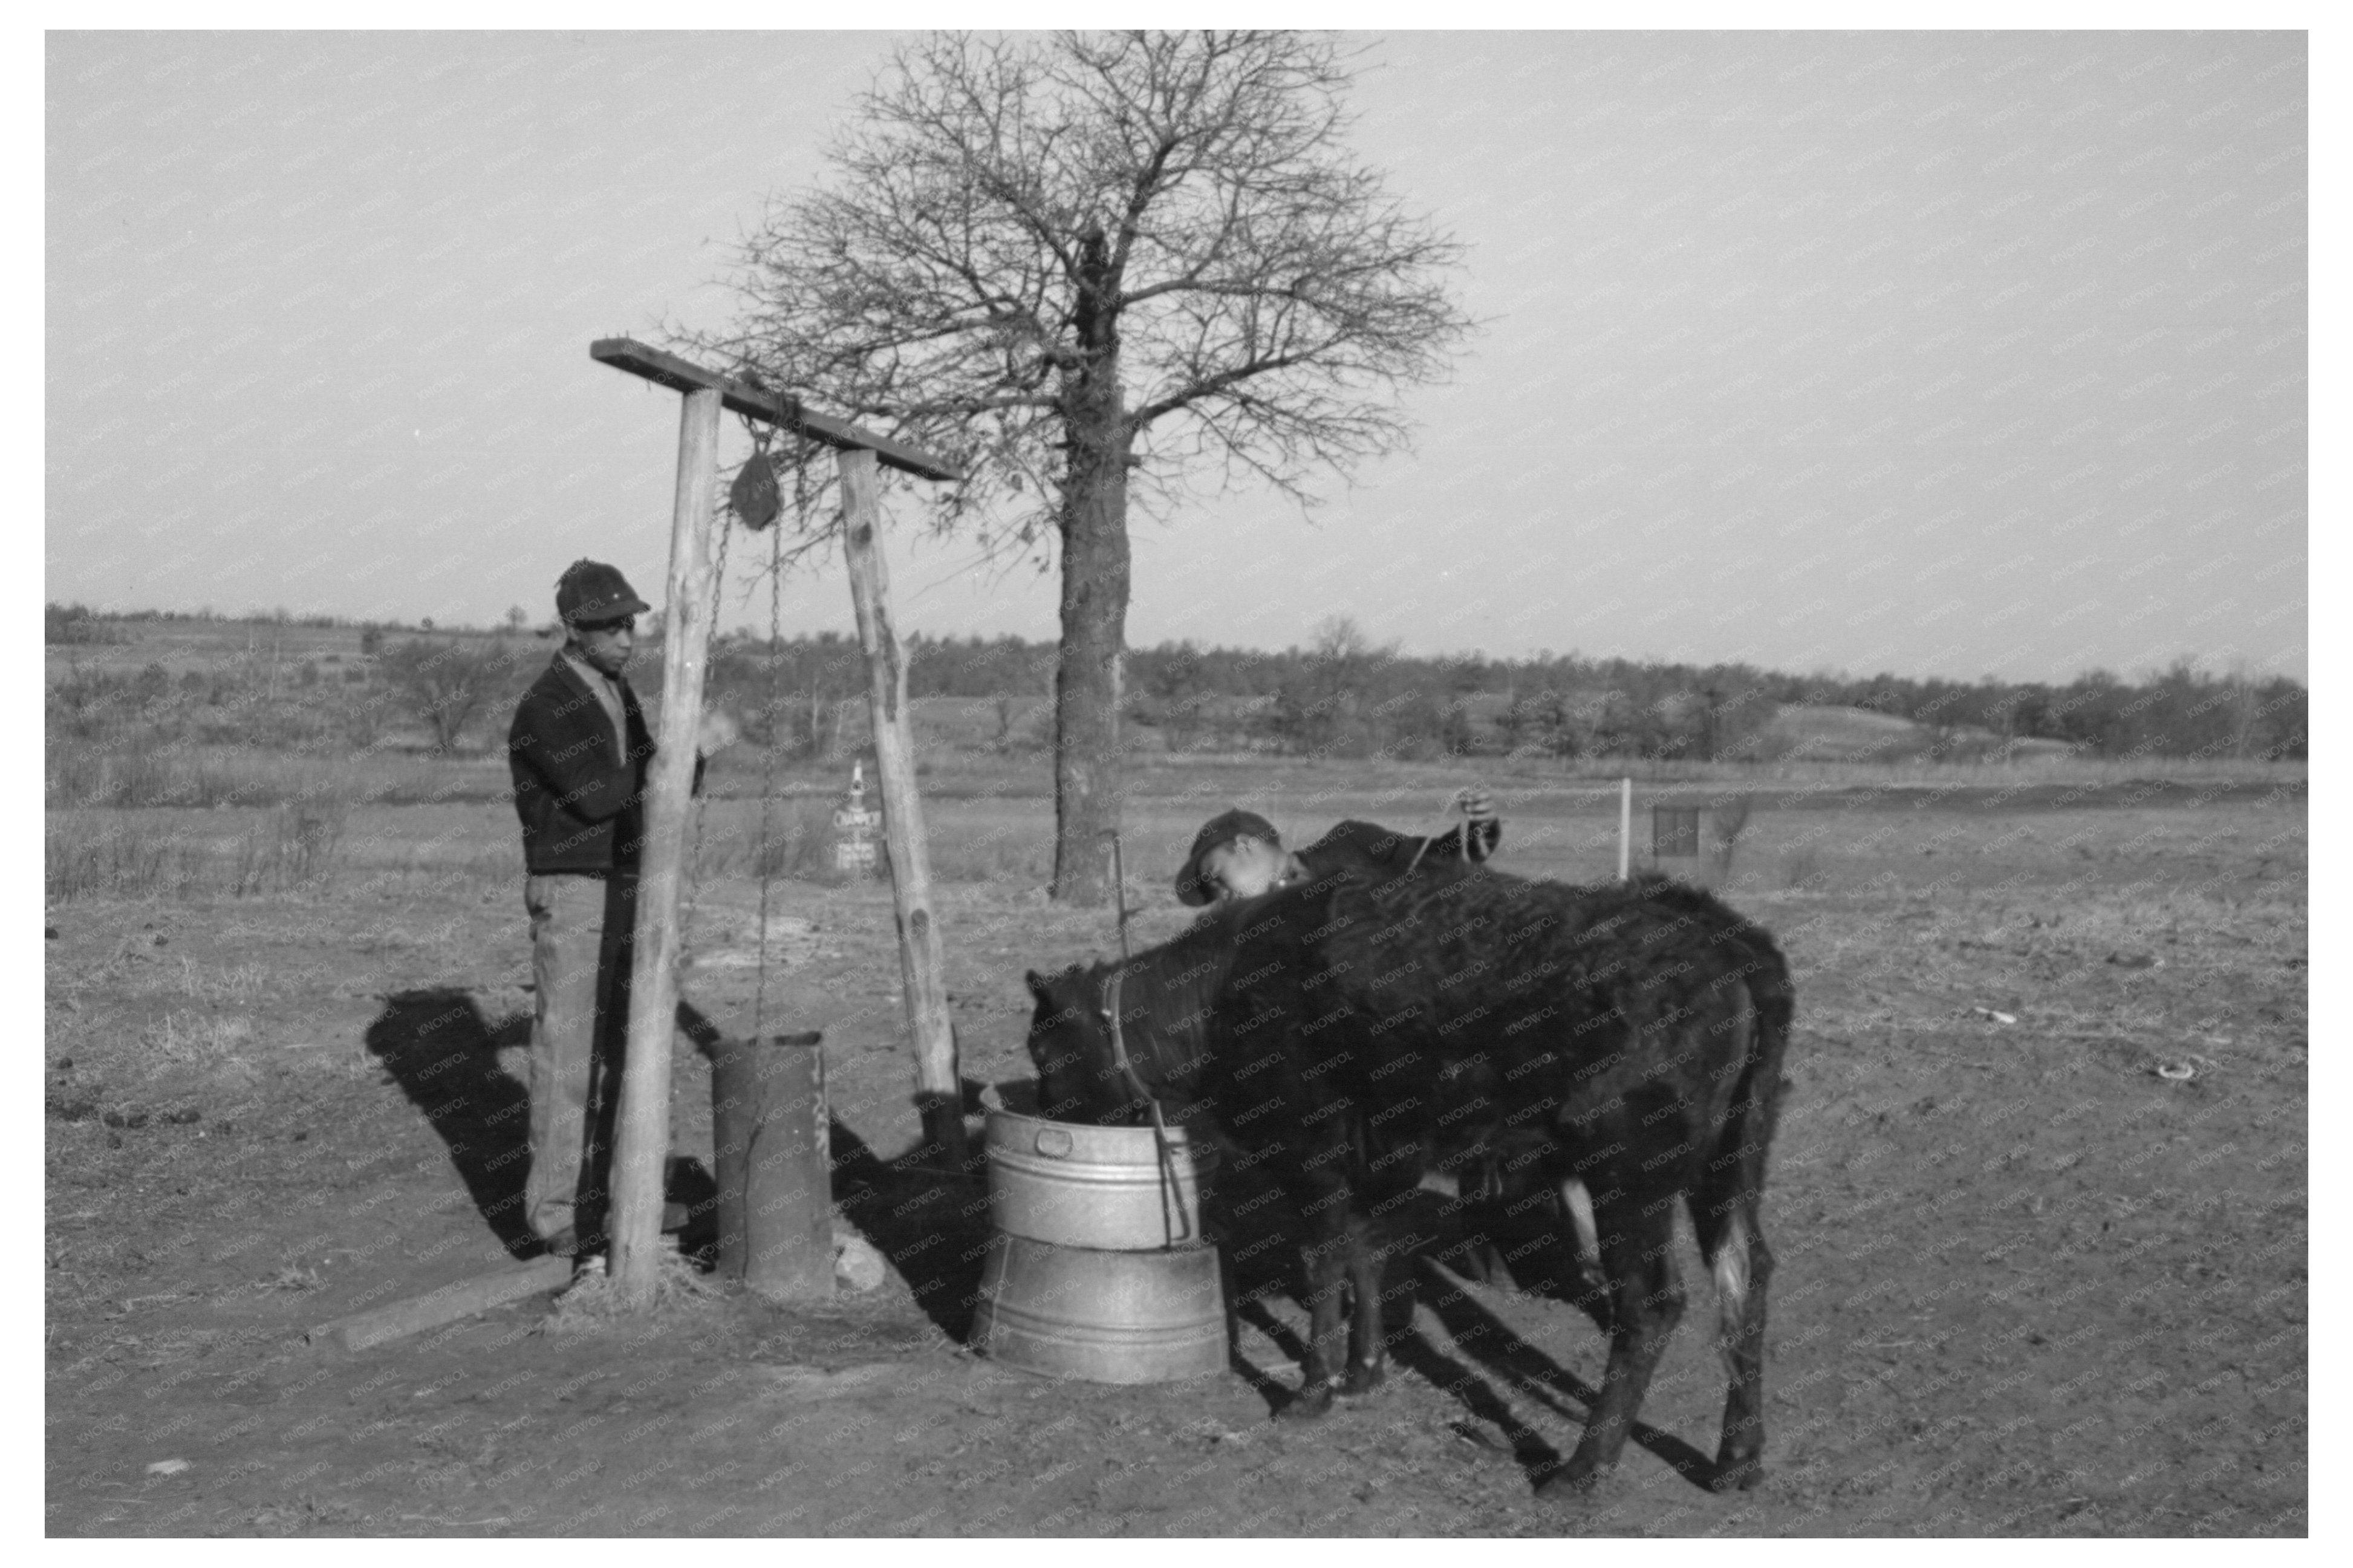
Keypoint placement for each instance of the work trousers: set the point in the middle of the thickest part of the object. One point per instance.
(581, 942)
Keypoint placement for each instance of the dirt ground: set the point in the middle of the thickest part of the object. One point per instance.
(2039, 1200)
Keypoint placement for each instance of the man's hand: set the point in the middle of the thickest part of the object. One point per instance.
(717, 731)
(1476, 803)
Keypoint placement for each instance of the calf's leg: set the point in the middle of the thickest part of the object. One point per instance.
(1367, 1346)
(1590, 1291)
(1725, 1202)
(1327, 1264)
(1743, 1267)
(1646, 1301)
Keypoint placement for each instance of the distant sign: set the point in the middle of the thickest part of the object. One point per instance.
(1674, 830)
(854, 828)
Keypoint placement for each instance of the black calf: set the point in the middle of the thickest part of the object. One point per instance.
(1624, 1039)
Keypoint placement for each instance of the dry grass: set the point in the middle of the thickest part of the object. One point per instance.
(2045, 769)
(412, 826)
(197, 1042)
(1802, 869)
(795, 843)
(967, 840)
(81, 773)
(1018, 852)
(595, 1302)
(122, 860)
(236, 984)
(286, 849)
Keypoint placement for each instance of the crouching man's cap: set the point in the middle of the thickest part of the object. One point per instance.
(1219, 831)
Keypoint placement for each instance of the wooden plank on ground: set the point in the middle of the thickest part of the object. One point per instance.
(461, 1299)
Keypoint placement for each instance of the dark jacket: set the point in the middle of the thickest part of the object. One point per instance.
(582, 805)
(1370, 851)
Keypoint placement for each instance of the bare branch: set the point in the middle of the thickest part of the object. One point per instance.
(1267, 296)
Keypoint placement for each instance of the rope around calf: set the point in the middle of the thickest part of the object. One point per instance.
(1171, 1208)
(1472, 849)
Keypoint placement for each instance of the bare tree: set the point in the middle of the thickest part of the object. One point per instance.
(444, 684)
(1063, 260)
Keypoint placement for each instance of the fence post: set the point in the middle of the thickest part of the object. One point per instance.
(1625, 828)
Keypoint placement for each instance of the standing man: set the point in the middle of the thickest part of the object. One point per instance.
(578, 750)
(1239, 855)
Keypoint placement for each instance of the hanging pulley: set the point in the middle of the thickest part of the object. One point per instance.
(755, 495)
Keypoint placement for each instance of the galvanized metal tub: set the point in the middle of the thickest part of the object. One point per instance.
(1105, 1317)
(1078, 1185)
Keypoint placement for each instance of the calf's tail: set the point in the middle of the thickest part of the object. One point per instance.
(1724, 1208)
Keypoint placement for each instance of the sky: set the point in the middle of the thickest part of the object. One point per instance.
(1944, 354)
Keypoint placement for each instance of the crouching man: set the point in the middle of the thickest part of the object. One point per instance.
(1239, 855)
(579, 751)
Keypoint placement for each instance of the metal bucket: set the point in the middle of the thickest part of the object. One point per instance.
(1079, 1185)
(1106, 1316)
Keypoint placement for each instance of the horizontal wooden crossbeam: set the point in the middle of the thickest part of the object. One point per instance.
(780, 409)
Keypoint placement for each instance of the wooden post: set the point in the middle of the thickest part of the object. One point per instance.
(923, 968)
(1625, 828)
(769, 1137)
(644, 1111)
(643, 1139)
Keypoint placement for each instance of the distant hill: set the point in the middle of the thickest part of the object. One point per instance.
(1812, 733)
(1343, 697)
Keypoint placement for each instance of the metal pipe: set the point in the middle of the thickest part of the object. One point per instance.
(770, 1134)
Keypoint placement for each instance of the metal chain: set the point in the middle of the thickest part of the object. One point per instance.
(694, 857)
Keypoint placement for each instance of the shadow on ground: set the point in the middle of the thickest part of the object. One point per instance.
(931, 1223)
(1434, 1244)
(1500, 1352)
(443, 1053)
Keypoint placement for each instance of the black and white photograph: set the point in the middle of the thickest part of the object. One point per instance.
(1415, 780)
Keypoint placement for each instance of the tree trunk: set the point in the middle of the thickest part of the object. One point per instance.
(1094, 599)
(1087, 682)
(2243, 716)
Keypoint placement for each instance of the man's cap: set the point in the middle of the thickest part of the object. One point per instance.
(591, 590)
(1217, 832)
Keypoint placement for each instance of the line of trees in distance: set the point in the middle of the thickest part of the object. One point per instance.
(1341, 695)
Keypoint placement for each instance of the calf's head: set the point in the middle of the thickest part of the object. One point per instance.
(1069, 1044)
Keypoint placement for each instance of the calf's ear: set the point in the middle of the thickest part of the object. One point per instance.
(1036, 983)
